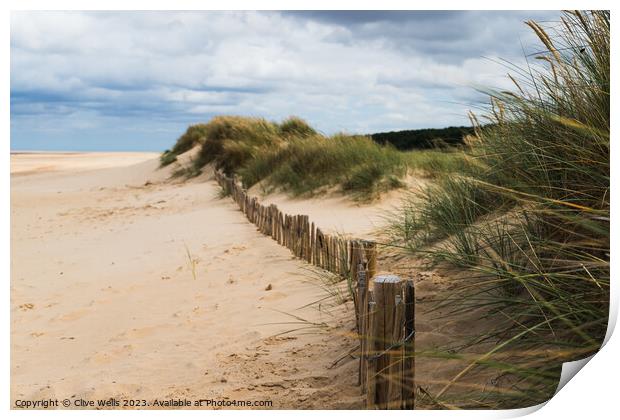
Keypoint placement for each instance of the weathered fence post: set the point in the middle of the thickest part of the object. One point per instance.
(409, 384)
(353, 260)
(387, 289)
(370, 354)
(312, 257)
(395, 356)
(308, 241)
(370, 251)
(362, 308)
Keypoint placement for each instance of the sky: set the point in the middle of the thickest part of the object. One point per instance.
(127, 81)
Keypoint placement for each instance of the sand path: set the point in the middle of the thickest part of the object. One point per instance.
(128, 287)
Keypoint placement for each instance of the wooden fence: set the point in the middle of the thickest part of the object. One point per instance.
(385, 315)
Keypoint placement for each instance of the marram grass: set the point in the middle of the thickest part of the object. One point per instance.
(529, 226)
(293, 157)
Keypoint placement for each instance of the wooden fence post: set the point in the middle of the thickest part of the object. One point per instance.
(362, 308)
(323, 251)
(370, 251)
(307, 241)
(395, 356)
(353, 261)
(371, 353)
(285, 230)
(409, 383)
(386, 288)
(320, 245)
(312, 257)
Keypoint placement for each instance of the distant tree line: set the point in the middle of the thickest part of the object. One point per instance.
(425, 138)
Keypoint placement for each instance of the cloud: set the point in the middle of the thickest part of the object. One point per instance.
(354, 71)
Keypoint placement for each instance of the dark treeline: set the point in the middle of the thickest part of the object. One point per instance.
(425, 138)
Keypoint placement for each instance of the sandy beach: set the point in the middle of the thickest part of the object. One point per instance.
(127, 286)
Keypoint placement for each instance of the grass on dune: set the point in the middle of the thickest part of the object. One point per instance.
(194, 135)
(530, 225)
(304, 165)
(356, 164)
(292, 157)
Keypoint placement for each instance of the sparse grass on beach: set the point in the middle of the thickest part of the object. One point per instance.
(191, 261)
(530, 226)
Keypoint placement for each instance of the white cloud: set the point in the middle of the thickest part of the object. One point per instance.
(185, 66)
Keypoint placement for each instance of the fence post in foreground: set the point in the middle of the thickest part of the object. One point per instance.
(408, 388)
(386, 289)
(395, 356)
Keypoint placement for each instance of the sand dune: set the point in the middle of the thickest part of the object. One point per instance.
(126, 286)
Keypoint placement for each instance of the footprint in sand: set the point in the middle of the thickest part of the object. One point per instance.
(109, 289)
(75, 315)
(279, 339)
(137, 333)
(273, 296)
(26, 306)
(105, 357)
(235, 249)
